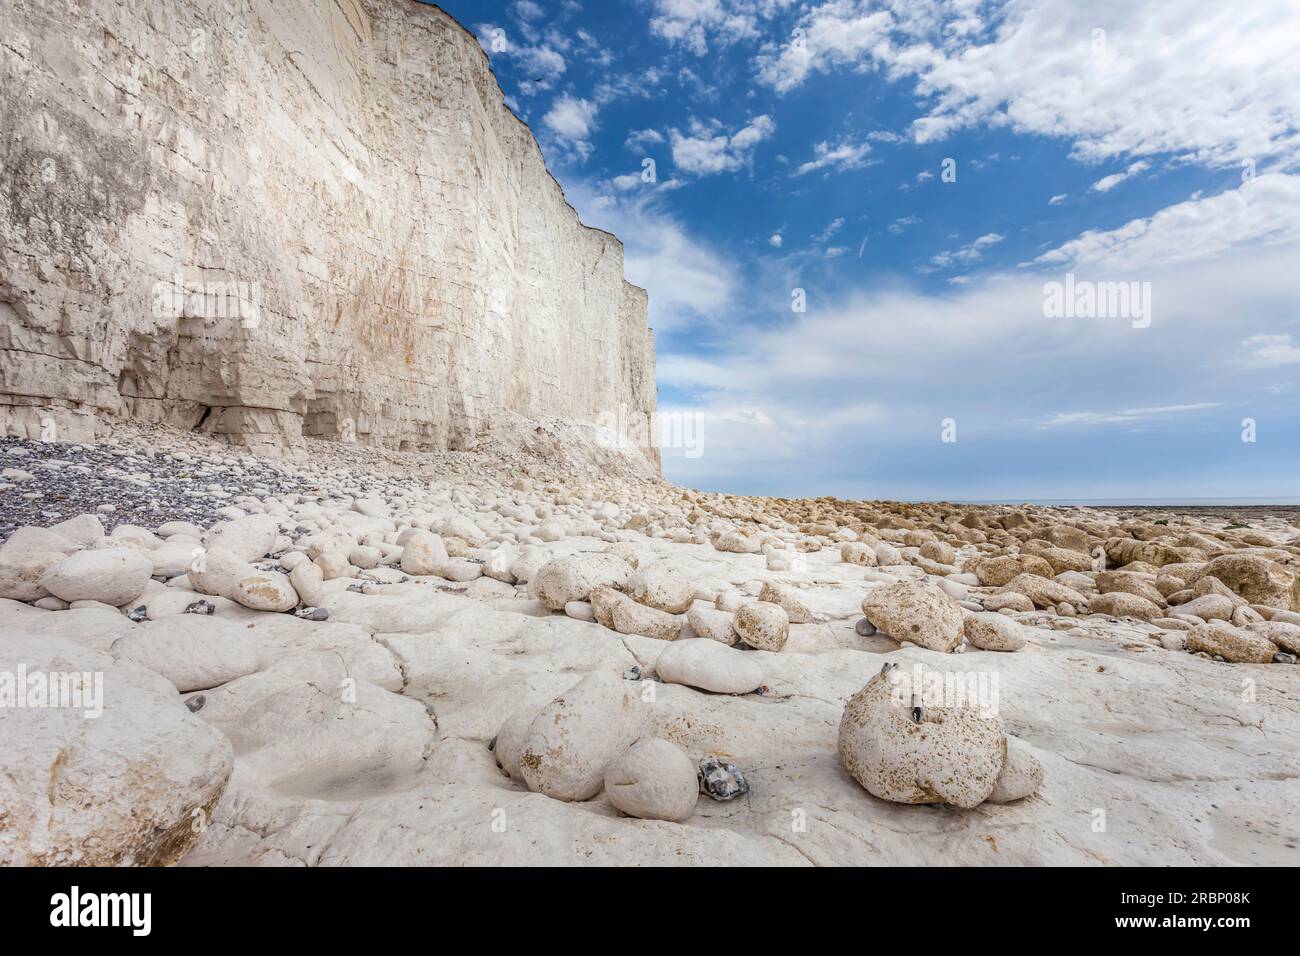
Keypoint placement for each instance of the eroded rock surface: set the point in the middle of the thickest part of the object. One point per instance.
(338, 230)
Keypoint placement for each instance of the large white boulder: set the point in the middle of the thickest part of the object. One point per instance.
(709, 665)
(111, 576)
(709, 622)
(21, 573)
(916, 612)
(193, 651)
(653, 780)
(133, 786)
(994, 632)
(763, 626)
(247, 538)
(1021, 776)
(662, 586)
(218, 571)
(575, 576)
(618, 612)
(572, 742)
(905, 752)
(423, 552)
(265, 591)
(775, 592)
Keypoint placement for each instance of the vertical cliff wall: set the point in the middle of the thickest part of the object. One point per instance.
(275, 218)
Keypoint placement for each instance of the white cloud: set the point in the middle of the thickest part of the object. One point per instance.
(968, 253)
(528, 10)
(1127, 416)
(571, 121)
(694, 23)
(628, 86)
(841, 157)
(834, 226)
(898, 225)
(688, 281)
(1269, 351)
(1263, 212)
(626, 181)
(639, 139)
(1107, 183)
(759, 129)
(709, 149)
(543, 64)
(832, 34)
(1192, 78)
(775, 240)
(880, 343)
(571, 118)
(1058, 199)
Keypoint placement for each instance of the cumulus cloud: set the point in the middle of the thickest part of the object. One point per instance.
(1159, 78)
(571, 118)
(1263, 212)
(639, 139)
(571, 121)
(706, 148)
(693, 24)
(1107, 183)
(840, 157)
(528, 10)
(832, 34)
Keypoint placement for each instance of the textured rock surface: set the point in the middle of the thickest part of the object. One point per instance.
(572, 742)
(904, 754)
(121, 788)
(375, 248)
(709, 666)
(653, 780)
(919, 613)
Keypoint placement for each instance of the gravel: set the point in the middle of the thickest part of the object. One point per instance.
(143, 487)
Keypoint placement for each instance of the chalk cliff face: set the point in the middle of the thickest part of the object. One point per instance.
(276, 218)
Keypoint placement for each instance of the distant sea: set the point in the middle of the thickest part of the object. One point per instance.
(1142, 502)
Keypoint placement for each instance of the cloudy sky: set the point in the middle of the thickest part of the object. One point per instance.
(923, 170)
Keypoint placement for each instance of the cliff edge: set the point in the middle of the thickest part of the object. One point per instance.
(311, 218)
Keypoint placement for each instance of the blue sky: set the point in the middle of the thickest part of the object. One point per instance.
(802, 145)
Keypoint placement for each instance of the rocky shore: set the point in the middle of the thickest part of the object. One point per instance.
(537, 652)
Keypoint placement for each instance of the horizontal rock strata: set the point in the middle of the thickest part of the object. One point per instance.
(289, 218)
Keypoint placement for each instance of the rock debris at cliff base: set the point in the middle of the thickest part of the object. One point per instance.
(538, 656)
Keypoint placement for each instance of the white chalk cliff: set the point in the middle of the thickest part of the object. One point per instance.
(274, 218)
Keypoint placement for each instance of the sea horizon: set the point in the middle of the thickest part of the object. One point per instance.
(1239, 502)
